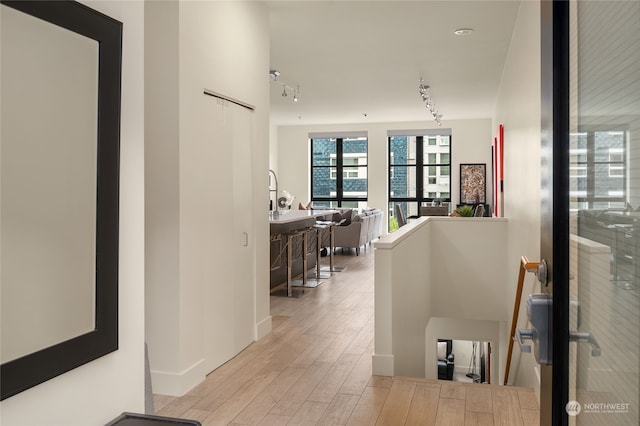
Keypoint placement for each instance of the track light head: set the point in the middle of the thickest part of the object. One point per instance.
(296, 90)
(423, 89)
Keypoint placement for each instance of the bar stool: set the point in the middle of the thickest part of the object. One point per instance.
(320, 228)
(289, 248)
(305, 282)
(332, 267)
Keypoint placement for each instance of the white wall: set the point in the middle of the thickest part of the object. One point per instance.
(101, 390)
(458, 279)
(162, 178)
(471, 143)
(192, 46)
(518, 108)
(463, 351)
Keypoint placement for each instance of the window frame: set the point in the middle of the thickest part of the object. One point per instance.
(589, 165)
(340, 169)
(422, 174)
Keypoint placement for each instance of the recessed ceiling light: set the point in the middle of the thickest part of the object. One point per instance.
(463, 31)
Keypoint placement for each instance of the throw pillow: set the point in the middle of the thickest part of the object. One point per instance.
(346, 215)
(343, 218)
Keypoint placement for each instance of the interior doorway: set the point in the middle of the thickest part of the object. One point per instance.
(464, 360)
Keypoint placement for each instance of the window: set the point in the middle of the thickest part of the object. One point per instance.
(338, 170)
(597, 169)
(419, 169)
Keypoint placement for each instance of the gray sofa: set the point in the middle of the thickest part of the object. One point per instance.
(363, 228)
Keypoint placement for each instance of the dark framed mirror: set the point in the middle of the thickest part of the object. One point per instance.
(60, 189)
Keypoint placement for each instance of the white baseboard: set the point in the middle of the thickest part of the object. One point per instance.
(178, 384)
(263, 328)
(463, 370)
(383, 365)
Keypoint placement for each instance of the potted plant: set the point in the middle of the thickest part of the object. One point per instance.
(463, 211)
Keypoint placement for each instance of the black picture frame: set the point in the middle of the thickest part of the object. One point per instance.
(32, 369)
(473, 183)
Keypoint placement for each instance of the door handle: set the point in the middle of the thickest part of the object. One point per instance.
(522, 334)
(586, 337)
(541, 331)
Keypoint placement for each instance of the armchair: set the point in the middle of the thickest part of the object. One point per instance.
(446, 359)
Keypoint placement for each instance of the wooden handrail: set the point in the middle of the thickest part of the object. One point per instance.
(525, 266)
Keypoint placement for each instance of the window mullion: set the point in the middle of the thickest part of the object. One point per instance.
(591, 181)
(419, 169)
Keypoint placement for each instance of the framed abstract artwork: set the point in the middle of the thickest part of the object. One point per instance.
(473, 183)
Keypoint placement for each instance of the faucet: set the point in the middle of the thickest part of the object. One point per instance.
(271, 172)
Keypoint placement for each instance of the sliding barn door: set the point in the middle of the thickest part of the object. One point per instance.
(229, 294)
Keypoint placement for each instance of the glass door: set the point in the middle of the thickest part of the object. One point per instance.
(604, 212)
(591, 210)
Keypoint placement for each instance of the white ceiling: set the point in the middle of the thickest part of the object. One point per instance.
(352, 58)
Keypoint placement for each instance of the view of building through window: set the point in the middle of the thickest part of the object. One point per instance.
(339, 171)
(598, 170)
(419, 172)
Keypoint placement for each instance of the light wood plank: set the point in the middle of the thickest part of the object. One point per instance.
(528, 399)
(218, 395)
(478, 399)
(241, 399)
(530, 417)
(284, 356)
(278, 320)
(198, 415)
(363, 339)
(179, 406)
(339, 410)
(369, 406)
(452, 390)
(295, 397)
(396, 407)
(267, 399)
(380, 381)
(424, 405)
(450, 412)
(271, 420)
(357, 380)
(337, 347)
(330, 385)
(160, 401)
(309, 413)
(506, 407)
(473, 418)
(311, 354)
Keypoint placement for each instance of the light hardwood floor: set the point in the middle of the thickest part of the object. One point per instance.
(315, 369)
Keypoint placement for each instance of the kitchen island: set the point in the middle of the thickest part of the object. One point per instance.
(288, 230)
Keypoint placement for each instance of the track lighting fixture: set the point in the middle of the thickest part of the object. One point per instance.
(296, 91)
(423, 89)
(274, 74)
